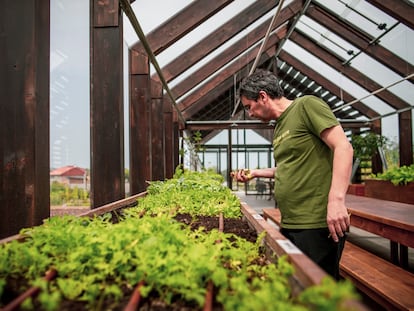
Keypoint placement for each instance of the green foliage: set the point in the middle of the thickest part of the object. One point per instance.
(196, 193)
(172, 259)
(366, 146)
(193, 143)
(63, 194)
(323, 298)
(392, 154)
(97, 259)
(398, 176)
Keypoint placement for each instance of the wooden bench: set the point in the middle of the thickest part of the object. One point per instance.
(389, 285)
(391, 220)
(273, 214)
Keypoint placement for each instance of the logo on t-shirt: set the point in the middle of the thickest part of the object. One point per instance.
(279, 139)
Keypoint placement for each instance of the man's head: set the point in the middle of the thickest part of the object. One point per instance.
(258, 93)
(261, 80)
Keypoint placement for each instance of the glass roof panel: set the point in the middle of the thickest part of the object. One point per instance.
(198, 34)
(391, 34)
(206, 28)
(327, 38)
(367, 18)
(336, 77)
(146, 10)
(384, 76)
(400, 41)
(360, 13)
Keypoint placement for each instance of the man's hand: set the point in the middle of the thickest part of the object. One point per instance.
(338, 219)
(242, 175)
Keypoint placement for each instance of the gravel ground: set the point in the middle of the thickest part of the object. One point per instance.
(68, 210)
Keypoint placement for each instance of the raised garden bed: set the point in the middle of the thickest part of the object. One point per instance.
(237, 272)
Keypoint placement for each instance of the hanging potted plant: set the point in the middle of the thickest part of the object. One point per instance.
(365, 147)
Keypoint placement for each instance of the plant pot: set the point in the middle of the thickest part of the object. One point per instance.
(385, 190)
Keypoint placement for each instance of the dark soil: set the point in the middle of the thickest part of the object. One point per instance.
(231, 225)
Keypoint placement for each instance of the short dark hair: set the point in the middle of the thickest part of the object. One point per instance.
(261, 80)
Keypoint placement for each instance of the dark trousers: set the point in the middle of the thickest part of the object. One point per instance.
(319, 247)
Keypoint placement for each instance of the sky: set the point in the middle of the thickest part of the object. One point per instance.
(69, 84)
(69, 77)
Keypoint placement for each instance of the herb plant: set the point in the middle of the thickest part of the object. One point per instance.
(196, 193)
(398, 176)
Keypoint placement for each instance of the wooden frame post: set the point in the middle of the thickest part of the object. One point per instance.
(24, 114)
(107, 113)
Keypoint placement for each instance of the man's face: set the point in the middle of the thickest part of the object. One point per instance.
(256, 108)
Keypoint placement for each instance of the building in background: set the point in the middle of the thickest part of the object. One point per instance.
(70, 175)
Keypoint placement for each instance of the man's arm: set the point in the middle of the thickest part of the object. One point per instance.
(337, 214)
(244, 176)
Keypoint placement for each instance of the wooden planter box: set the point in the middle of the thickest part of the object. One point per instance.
(356, 189)
(385, 190)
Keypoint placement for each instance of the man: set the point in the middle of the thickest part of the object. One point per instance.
(313, 166)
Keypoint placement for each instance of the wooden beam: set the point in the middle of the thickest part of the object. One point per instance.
(181, 24)
(258, 125)
(157, 132)
(140, 97)
(107, 124)
(212, 93)
(355, 125)
(317, 90)
(176, 141)
(348, 71)
(168, 137)
(24, 114)
(229, 71)
(405, 138)
(236, 49)
(221, 84)
(354, 36)
(217, 38)
(221, 125)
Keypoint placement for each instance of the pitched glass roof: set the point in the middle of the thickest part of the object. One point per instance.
(353, 71)
(375, 23)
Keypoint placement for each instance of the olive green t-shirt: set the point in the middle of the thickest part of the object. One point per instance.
(304, 163)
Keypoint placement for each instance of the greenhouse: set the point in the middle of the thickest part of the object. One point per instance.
(147, 103)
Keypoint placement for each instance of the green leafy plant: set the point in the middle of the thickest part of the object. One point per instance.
(322, 297)
(366, 145)
(63, 194)
(99, 261)
(398, 176)
(196, 193)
